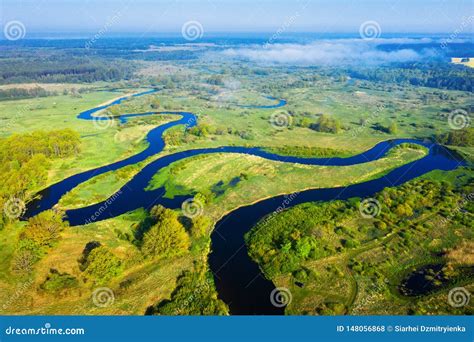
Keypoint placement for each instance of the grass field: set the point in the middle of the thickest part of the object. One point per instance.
(226, 180)
(259, 178)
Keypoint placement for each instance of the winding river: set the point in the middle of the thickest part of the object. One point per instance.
(238, 279)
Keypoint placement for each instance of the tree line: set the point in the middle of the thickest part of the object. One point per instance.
(25, 161)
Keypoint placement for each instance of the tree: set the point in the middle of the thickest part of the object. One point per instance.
(155, 103)
(393, 128)
(24, 160)
(44, 229)
(194, 295)
(462, 137)
(200, 226)
(102, 265)
(327, 124)
(167, 237)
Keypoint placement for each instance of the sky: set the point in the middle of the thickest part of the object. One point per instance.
(325, 16)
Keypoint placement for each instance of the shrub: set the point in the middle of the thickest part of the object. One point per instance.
(102, 265)
(200, 226)
(56, 281)
(44, 229)
(194, 295)
(23, 261)
(167, 237)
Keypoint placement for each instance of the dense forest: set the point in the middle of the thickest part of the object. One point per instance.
(24, 164)
(63, 69)
(431, 74)
(310, 231)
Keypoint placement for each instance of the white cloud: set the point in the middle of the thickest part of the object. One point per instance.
(328, 52)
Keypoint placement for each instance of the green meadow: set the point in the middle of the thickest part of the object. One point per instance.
(362, 113)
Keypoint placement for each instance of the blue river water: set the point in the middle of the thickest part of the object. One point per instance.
(238, 279)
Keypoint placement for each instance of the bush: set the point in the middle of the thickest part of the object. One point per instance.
(23, 261)
(102, 265)
(44, 229)
(327, 124)
(200, 226)
(167, 237)
(56, 281)
(462, 137)
(40, 234)
(194, 295)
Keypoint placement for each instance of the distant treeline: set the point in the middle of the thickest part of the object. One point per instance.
(434, 75)
(21, 93)
(60, 69)
(24, 93)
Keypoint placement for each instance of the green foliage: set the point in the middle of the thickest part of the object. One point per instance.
(57, 282)
(327, 124)
(393, 128)
(308, 151)
(24, 161)
(155, 103)
(215, 80)
(201, 130)
(200, 226)
(22, 93)
(39, 235)
(113, 110)
(431, 74)
(24, 260)
(44, 229)
(101, 265)
(194, 295)
(167, 237)
(62, 67)
(52, 144)
(281, 243)
(462, 137)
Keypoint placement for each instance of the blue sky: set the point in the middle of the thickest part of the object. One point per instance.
(148, 16)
